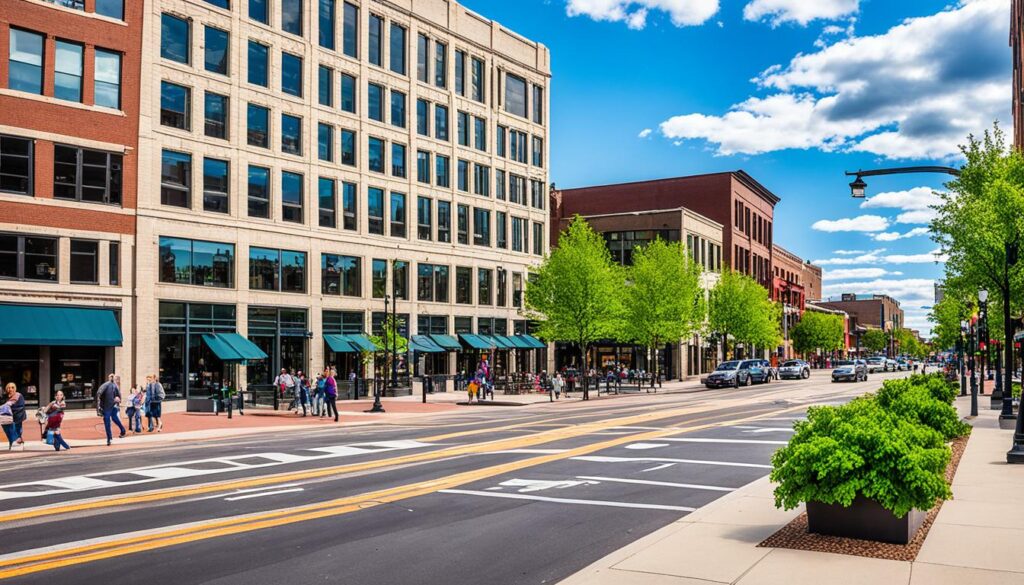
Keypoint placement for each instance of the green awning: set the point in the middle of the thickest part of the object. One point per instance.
(502, 342)
(536, 343)
(476, 341)
(362, 342)
(424, 344)
(232, 347)
(340, 344)
(53, 325)
(446, 341)
(519, 342)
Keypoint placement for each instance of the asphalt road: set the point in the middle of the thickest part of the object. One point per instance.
(485, 495)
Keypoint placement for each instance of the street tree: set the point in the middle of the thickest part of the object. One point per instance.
(874, 340)
(576, 292)
(663, 300)
(979, 223)
(947, 316)
(391, 343)
(818, 331)
(739, 308)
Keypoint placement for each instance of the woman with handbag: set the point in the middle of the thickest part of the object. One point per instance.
(54, 418)
(15, 405)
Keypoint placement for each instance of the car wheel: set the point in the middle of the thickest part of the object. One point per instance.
(805, 374)
(750, 380)
(736, 381)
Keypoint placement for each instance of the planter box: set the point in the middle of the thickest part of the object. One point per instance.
(865, 519)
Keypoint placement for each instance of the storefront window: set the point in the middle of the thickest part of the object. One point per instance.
(187, 366)
(281, 334)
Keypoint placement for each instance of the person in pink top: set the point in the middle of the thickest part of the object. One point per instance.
(331, 393)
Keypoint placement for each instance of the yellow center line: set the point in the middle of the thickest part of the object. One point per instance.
(216, 528)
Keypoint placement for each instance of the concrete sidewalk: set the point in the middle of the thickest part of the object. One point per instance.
(973, 540)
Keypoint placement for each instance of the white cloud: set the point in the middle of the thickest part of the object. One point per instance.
(848, 252)
(861, 223)
(893, 236)
(848, 273)
(799, 11)
(926, 258)
(913, 294)
(916, 199)
(634, 12)
(914, 91)
(644, 133)
(877, 257)
(918, 216)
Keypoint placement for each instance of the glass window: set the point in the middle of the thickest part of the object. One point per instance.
(16, 165)
(499, 184)
(517, 289)
(348, 147)
(481, 180)
(291, 16)
(84, 262)
(291, 134)
(460, 73)
(258, 64)
(225, 4)
(259, 192)
(423, 166)
(397, 49)
(67, 74)
(424, 219)
(258, 126)
(499, 141)
(349, 192)
(175, 105)
(397, 215)
(107, 79)
(538, 104)
(325, 89)
(350, 41)
(376, 40)
(432, 283)
(327, 205)
(326, 28)
(440, 122)
(217, 42)
(463, 224)
(444, 221)
(348, 93)
(517, 146)
(291, 74)
(423, 117)
(400, 279)
(92, 176)
(376, 155)
(259, 11)
(174, 39)
(462, 128)
(197, 262)
(215, 185)
(292, 197)
(293, 271)
(25, 68)
(517, 189)
(502, 287)
(340, 275)
(538, 151)
(375, 102)
(481, 227)
(114, 263)
(501, 229)
(537, 193)
(442, 172)
(398, 160)
(110, 8)
(375, 210)
(515, 95)
(264, 269)
(463, 285)
(480, 133)
(462, 175)
(325, 141)
(483, 281)
(538, 239)
(518, 227)
(176, 179)
(28, 258)
(397, 109)
(440, 65)
(423, 58)
(380, 278)
(478, 80)
(215, 114)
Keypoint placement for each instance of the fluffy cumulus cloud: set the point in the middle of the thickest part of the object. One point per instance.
(916, 199)
(849, 252)
(799, 11)
(916, 295)
(912, 92)
(879, 256)
(646, 132)
(893, 236)
(850, 273)
(861, 223)
(634, 12)
(917, 216)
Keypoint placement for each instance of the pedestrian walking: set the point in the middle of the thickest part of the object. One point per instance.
(556, 385)
(54, 419)
(155, 396)
(136, 397)
(108, 401)
(318, 396)
(12, 415)
(471, 390)
(285, 385)
(331, 394)
(302, 388)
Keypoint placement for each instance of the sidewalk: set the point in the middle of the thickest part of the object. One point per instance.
(973, 540)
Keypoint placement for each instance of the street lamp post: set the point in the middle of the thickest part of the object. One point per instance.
(982, 336)
(1016, 453)
(972, 361)
(960, 362)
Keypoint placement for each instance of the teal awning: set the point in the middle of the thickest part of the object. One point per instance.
(362, 342)
(232, 347)
(446, 341)
(476, 341)
(424, 344)
(53, 325)
(519, 342)
(502, 342)
(536, 343)
(340, 344)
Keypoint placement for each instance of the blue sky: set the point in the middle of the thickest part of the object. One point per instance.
(792, 91)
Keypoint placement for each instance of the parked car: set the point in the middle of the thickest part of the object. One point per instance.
(876, 364)
(903, 365)
(850, 371)
(891, 365)
(728, 374)
(761, 371)
(795, 369)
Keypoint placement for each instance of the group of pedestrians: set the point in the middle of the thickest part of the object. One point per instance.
(317, 399)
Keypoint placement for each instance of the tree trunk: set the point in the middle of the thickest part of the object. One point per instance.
(584, 374)
(654, 352)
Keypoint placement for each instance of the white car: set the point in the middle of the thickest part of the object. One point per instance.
(876, 364)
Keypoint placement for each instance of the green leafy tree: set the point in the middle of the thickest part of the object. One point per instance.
(663, 299)
(874, 340)
(818, 331)
(947, 316)
(390, 341)
(576, 292)
(979, 224)
(739, 308)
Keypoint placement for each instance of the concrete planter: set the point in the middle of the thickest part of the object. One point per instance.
(864, 519)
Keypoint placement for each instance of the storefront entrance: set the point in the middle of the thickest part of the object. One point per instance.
(282, 335)
(188, 368)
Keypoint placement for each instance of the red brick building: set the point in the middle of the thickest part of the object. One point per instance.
(69, 120)
(734, 199)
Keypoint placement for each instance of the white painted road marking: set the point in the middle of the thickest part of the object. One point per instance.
(657, 467)
(262, 494)
(642, 446)
(605, 459)
(733, 441)
(537, 485)
(761, 430)
(693, 486)
(569, 501)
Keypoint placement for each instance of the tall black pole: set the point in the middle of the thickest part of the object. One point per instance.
(1016, 453)
(973, 365)
(394, 333)
(960, 364)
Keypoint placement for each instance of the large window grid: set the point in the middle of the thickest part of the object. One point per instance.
(341, 275)
(86, 175)
(277, 270)
(28, 258)
(16, 165)
(432, 283)
(197, 262)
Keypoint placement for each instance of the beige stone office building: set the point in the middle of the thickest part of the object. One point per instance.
(301, 159)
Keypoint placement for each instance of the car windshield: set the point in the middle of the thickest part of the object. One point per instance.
(792, 364)
(876, 359)
(751, 364)
(844, 363)
(728, 366)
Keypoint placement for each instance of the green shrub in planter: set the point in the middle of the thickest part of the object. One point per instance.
(861, 449)
(917, 402)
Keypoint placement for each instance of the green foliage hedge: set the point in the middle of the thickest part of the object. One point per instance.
(890, 448)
